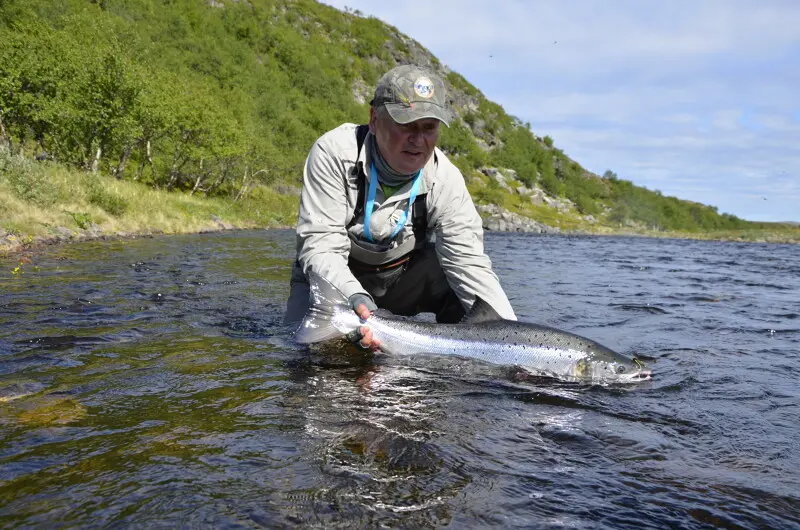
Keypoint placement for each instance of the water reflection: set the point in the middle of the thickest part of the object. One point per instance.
(374, 430)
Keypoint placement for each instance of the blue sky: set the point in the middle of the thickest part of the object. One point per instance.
(700, 99)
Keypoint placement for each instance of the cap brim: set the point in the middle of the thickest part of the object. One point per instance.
(402, 113)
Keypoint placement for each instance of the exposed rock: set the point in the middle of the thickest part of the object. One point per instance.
(482, 144)
(562, 205)
(94, 231)
(286, 189)
(494, 173)
(538, 200)
(505, 178)
(63, 233)
(536, 194)
(501, 220)
(361, 91)
(221, 225)
(506, 173)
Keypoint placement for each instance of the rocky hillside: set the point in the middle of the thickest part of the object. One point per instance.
(223, 98)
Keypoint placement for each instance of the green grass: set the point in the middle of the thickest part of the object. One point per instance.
(41, 202)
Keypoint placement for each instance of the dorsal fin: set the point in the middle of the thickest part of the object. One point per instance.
(480, 311)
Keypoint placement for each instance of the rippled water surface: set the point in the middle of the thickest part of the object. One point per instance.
(149, 383)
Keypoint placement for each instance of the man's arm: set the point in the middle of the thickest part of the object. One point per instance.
(322, 241)
(459, 245)
(323, 244)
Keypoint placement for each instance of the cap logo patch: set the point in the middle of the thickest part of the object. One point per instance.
(423, 87)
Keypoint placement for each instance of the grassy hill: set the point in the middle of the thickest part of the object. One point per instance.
(122, 116)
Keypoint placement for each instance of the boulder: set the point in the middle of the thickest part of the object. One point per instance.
(498, 219)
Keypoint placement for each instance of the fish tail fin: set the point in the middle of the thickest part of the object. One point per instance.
(327, 302)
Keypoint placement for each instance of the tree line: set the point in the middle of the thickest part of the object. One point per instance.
(171, 94)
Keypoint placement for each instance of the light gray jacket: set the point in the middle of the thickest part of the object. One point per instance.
(328, 201)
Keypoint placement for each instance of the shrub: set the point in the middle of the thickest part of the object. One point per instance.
(82, 219)
(491, 194)
(110, 202)
(25, 180)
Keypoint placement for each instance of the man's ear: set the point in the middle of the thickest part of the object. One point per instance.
(373, 119)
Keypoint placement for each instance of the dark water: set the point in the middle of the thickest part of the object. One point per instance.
(147, 383)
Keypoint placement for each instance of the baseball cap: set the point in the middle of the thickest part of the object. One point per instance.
(411, 93)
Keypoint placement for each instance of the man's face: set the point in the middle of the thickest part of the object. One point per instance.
(406, 148)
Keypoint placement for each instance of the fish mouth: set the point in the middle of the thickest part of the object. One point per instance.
(642, 375)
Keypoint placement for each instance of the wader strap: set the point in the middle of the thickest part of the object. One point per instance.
(361, 135)
(419, 220)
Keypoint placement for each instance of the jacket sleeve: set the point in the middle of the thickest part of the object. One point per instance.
(459, 245)
(322, 242)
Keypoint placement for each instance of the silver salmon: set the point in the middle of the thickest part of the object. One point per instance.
(482, 335)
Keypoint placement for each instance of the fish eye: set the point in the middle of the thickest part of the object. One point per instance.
(620, 369)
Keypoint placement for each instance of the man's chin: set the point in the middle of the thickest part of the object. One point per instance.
(413, 163)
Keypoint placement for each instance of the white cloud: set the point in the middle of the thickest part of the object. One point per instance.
(697, 99)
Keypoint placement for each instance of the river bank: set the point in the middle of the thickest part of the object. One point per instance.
(12, 245)
(497, 219)
(43, 204)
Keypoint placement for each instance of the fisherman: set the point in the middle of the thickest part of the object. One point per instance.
(387, 218)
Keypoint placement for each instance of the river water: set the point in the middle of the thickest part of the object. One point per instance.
(149, 383)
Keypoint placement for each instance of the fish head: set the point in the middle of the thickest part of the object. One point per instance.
(600, 367)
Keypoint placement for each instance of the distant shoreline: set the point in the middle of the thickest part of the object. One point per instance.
(12, 246)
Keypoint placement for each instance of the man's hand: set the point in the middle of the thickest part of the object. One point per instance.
(363, 305)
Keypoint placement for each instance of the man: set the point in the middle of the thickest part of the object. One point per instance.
(387, 218)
